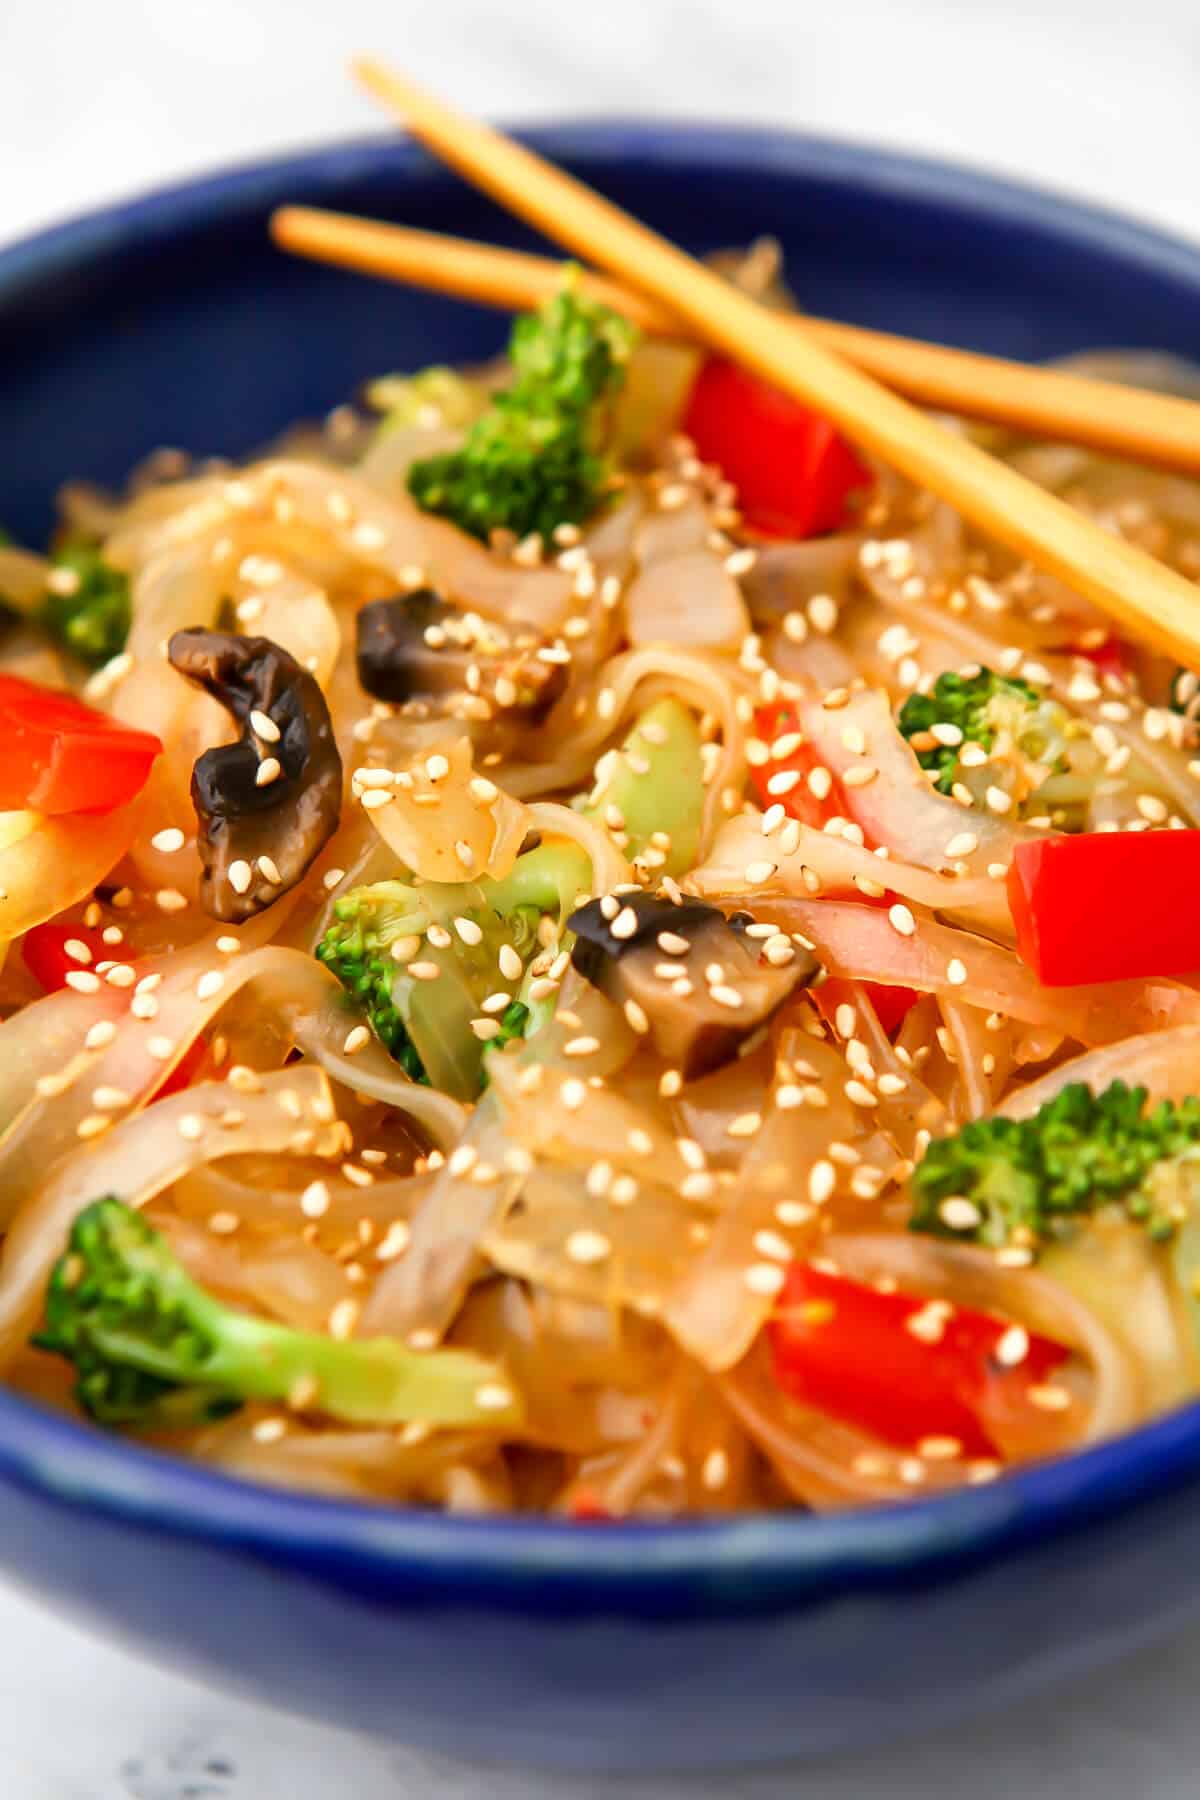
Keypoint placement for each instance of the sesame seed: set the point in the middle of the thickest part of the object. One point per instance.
(92, 1126)
(764, 1279)
(269, 871)
(959, 1214)
(240, 876)
(1049, 1398)
(83, 981)
(725, 996)
(772, 1246)
(357, 1038)
(486, 1029)
(572, 1094)
(372, 800)
(822, 1179)
(782, 783)
(511, 966)
(241, 1079)
(343, 1318)
(714, 1471)
(464, 853)
(100, 1034)
(110, 1099)
(209, 984)
(1012, 1347)
(269, 770)
(635, 1016)
(223, 1224)
(891, 1084)
(424, 971)
(587, 1247)
(789, 1096)
(394, 1242)
(468, 931)
(998, 801)
(858, 1094)
(264, 727)
(493, 1396)
(1152, 808)
(581, 1046)
(860, 775)
(357, 1177)
(901, 919)
(956, 972)
(625, 924)
(191, 1127)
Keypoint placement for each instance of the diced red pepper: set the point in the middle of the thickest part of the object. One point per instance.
(776, 723)
(901, 1367)
(793, 470)
(1107, 905)
(891, 1003)
(586, 1508)
(59, 756)
(1109, 658)
(45, 954)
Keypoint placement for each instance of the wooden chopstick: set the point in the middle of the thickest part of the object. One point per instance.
(1144, 596)
(1045, 403)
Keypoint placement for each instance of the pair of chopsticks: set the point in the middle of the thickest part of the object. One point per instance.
(669, 292)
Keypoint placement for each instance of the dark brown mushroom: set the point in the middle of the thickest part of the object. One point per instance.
(257, 838)
(702, 982)
(418, 647)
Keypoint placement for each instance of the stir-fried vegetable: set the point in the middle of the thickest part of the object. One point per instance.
(483, 937)
(983, 721)
(59, 756)
(1105, 906)
(87, 605)
(913, 1372)
(1003, 1180)
(536, 458)
(152, 1350)
(794, 471)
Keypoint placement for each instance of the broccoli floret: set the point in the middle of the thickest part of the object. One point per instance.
(429, 1026)
(975, 707)
(153, 1350)
(88, 610)
(654, 783)
(536, 458)
(1023, 1179)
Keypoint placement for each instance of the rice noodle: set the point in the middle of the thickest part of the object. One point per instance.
(569, 1206)
(141, 1156)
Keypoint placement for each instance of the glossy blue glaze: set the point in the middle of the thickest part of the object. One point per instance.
(171, 320)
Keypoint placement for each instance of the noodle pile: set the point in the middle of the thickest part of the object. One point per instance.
(611, 1234)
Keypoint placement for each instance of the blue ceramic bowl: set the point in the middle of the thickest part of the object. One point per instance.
(171, 320)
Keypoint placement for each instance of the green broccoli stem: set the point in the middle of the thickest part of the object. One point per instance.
(153, 1349)
(656, 783)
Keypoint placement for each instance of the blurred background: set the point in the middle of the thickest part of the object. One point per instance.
(102, 97)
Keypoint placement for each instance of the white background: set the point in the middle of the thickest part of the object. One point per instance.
(102, 97)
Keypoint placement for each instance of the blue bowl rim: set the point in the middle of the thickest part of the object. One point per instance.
(719, 1565)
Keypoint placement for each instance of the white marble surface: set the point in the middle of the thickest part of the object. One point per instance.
(101, 97)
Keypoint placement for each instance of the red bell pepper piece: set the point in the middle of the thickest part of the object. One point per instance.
(45, 955)
(901, 1367)
(792, 468)
(1106, 906)
(775, 724)
(59, 756)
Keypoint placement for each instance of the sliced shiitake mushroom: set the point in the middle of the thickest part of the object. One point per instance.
(260, 828)
(702, 982)
(418, 647)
